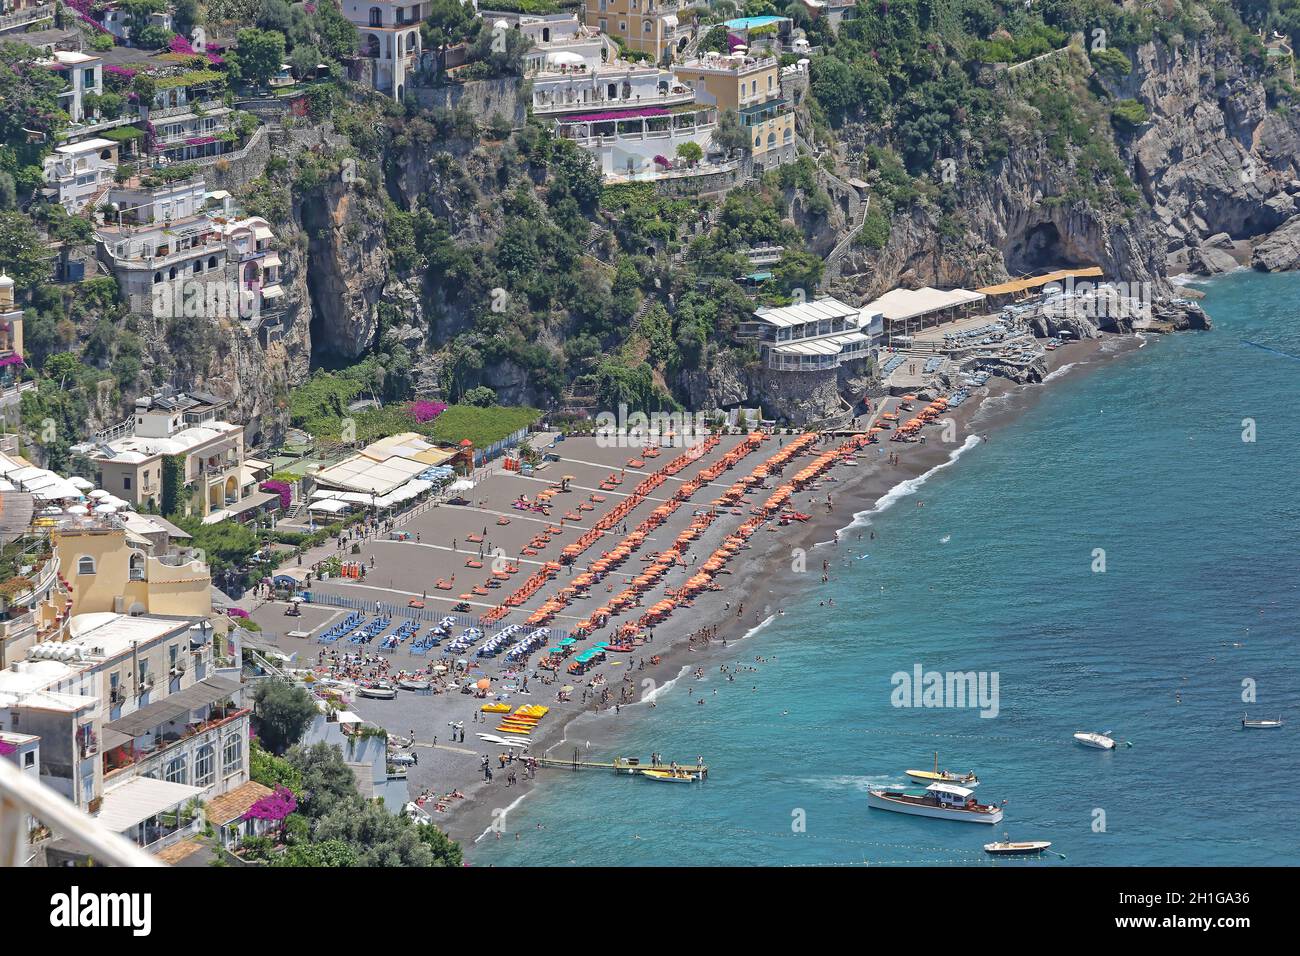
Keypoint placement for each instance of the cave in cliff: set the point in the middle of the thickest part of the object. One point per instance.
(1038, 249)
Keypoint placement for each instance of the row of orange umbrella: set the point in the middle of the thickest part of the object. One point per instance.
(611, 559)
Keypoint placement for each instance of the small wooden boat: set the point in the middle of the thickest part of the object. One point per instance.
(669, 776)
(1099, 741)
(378, 692)
(409, 684)
(1265, 724)
(936, 775)
(1024, 848)
(945, 801)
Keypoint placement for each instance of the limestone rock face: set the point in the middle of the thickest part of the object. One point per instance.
(348, 268)
(1215, 159)
(1281, 250)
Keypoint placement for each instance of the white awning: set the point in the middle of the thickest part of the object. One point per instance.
(139, 799)
(329, 506)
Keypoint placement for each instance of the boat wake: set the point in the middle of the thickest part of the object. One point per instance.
(909, 487)
(853, 782)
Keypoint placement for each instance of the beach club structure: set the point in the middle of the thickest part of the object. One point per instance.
(811, 336)
(904, 311)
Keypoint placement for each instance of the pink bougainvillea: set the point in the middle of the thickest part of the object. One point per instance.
(7, 748)
(274, 806)
(181, 45)
(280, 488)
(236, 612)
(426, 411)
(14, 359)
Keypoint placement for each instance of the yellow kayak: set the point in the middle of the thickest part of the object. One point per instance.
(495, 708)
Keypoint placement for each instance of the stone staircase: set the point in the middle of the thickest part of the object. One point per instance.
(835, 260)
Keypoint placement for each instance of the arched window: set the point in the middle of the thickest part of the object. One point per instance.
(205, 766)
(177, 771)
(137, 566)
(758, 140)
(212, 262)
(157, 277)
(787, 135)
(771, 140)
(376, 17)
(85, 565)
(232, 755)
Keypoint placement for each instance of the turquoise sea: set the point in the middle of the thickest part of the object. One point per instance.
(1143, 458)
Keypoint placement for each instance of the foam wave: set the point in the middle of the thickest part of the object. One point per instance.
(502, 817)
(1059, 372)
(908, 487)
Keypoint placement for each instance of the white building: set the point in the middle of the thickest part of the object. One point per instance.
(77, 173)
(133, 721)
(84, 73)
(389, 39)
(811, 336)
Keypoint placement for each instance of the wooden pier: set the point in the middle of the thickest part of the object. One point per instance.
(620, 765)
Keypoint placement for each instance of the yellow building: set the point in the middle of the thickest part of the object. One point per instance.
(112, 567)
(750, 87)
(646, 26)
(187, 428)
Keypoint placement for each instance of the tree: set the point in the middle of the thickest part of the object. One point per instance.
(446, 851)
(258, 54)
(378, 837)
(22, 251)
(326, 778)
(690, 151)
(283, 712)
(185, 14)
(328, 853)
(730, 135)
(304, 59)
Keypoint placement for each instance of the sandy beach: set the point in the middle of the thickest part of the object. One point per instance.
(757, 583)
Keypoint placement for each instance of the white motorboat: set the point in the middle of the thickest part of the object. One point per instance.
(1024, 848)
(1259, 724)
(1100, 741)
(411, 684)
(378, 691)
(946, 801)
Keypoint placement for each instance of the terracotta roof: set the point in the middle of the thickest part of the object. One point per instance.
(229, 807)
(178, 851)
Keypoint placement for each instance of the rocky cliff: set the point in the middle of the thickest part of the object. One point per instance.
(1219, 166)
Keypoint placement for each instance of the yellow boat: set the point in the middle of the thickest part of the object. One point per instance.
(680, 776)
(936, 775)
(495, 708)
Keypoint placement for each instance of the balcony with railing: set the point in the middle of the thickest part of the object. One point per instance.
(149, 755)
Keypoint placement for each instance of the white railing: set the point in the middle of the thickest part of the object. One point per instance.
(21, 797)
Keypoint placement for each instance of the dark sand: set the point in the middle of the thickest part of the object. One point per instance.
(761, 576)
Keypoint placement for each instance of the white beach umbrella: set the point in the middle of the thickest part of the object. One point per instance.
(82, 484)
(113, 500)
(104, 509)
(99, 493)
(78, 510)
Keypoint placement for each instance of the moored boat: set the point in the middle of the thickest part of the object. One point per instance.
(669, 776)
(936, 775)
(1100, 741)
(409, 684)
(945, 801)
(1023, 848)
(380, 691)
(1259, 724)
